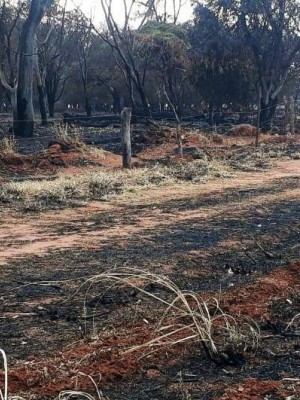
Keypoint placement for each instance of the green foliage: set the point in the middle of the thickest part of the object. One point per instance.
(165, 31)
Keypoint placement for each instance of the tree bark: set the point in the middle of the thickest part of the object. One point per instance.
(117, 107)
(88, 107)
(51, 106)
(42, 104)
(125, 123)
(25, 118)
(267, 112)
(211, 114)
(41, 93)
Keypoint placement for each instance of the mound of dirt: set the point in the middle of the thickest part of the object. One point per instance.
(155, 136)
(22, 164)
(59, 154)
(65, 146)
(243, 130)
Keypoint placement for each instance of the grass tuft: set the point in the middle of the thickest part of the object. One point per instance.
(186, 317)
(8, 145)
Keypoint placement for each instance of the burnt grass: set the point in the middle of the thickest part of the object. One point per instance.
(265, 237)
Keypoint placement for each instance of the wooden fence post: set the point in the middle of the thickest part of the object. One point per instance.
(293, 115)
(257, 134)
(125, 126)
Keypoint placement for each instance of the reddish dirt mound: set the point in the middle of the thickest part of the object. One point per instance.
(60, 154)
(18, 163)
(254, 300)
(242, 130)
(156, 135)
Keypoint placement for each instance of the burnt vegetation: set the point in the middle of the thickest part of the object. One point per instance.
(149, 200)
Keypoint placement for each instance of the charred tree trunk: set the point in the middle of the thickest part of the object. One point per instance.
(25, 119)
(51, 89)
(42, 104)
(41, 93)
(211, 114)
(51, 106)
(88, 107)
(145, 104)
(11, 94)
(267, 113)
(117, 106)
(13, 102)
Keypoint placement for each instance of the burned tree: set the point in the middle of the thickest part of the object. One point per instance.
(54, 54)
(84, 47)
(10, 23)
(25, 111)
(270, 30)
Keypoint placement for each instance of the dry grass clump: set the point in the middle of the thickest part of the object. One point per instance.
(8, 145)
(65, 132)
(96, 151)
(199, 171)
(185, 316)
(38, 195)
(147, 177)
(294, 325)
(254, 160)
(63, 191)
(102, 185)
(75, 394)
(73, 138)
(259, 159)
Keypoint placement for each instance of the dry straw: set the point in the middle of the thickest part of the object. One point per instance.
(186, 316)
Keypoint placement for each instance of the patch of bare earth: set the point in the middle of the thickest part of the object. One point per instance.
(38, 236)
(235, 239)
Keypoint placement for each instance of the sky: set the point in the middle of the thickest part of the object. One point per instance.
(93, 7)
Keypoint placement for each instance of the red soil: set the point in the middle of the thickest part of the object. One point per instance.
(252, 389)
(106, 362)
(103, 360)
(54, 158)
(254, 300)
